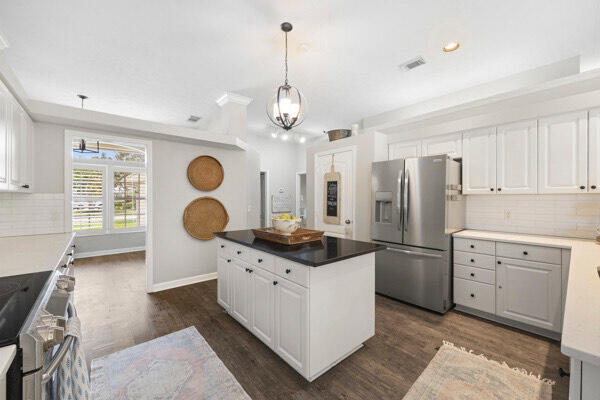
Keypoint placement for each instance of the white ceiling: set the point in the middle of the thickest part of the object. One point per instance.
(162, 61)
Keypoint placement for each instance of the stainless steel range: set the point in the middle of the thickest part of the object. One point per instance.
(416, 206)
(34, 309)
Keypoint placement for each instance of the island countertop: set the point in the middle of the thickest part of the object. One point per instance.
(314, 254)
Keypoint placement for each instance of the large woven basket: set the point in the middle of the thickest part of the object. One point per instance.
(205, 173)
(204, 216)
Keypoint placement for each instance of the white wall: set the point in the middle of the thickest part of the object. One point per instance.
(177, 255)
(571, 215)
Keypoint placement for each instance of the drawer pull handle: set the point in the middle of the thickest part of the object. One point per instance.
(499, 189)
(472, 260)
(246, 269)
(275, 283)
(491, 189)
(524, 253)
(222, 246)
(472, 274)
(581, 187)
(229, 260)
(472, 246)
(239, 252)
(287, 271)
(472, 295)
(593, 186)
(250, 270)
(499, 262)
(260, 260)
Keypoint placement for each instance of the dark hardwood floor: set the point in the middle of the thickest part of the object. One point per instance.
(117, 313)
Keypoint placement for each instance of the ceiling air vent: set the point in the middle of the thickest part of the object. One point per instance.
(194, 118)
(412, 64)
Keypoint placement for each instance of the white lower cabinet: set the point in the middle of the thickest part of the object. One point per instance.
(529, 292)
(241, 307)
(223, 272)
(511, 282)
(291, 324)
(263, 312)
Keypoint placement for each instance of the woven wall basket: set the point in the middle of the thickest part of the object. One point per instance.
(204, 216)
(205, 173)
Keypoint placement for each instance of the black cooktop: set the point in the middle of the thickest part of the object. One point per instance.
(314, 254)
(18, 294)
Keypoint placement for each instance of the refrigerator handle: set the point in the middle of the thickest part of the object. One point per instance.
(405, 195)
(399, 198)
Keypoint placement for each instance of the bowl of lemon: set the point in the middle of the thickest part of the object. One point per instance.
(286, 224)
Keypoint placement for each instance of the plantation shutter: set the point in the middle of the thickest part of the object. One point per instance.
(88, 198)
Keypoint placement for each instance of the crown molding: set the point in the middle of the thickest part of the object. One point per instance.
(229, 97)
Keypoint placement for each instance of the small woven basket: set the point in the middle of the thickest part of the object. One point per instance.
(205, 173)
(204, 216)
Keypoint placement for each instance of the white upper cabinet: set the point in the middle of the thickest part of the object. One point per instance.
(563, 153)
(4, 144)
(404, 150)
(445, 144)
(594, 152)
(479, 161)
(516, 158)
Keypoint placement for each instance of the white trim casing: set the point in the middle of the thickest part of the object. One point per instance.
(184, 281)
(108, 252)
(267, 195)
(298, 174)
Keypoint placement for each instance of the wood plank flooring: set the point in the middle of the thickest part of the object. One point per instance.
(117, 313)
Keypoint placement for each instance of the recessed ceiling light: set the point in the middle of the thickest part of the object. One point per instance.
(302, 139)
(274, 135)
(284, 136)
(450, 46)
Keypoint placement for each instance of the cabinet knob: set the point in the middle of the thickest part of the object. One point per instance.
(472, 246)
(25, 186)
(250, 270)
(239, 252)
(260, 260)
(499, 286)
(499, 262)
(581, 187)
(491, 189)
(222, 246)
(472, 294)
(593, 187)
(246, 269)
(228, 260)
(524, 253)
(472, 260)
(73, 246)
(499, 189)
(472, 274)
(275, 283)
(287, 271)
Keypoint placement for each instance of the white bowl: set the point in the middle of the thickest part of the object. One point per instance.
(286, 226)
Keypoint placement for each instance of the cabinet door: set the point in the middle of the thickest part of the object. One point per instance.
(562, 154)
(529, 292)
(241, 307)
(291, 324)
(445, 144)
(26, 152)
(224, 282)
(404, 150)
(15, 146)
(263, 306)
(594, 152)
(516, 158)
(4, 143)
(479, 161)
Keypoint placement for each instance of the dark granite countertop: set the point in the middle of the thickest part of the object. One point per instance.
(314, 254)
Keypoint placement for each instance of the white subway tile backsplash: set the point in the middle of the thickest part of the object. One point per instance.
(31, 214)
(571, 215)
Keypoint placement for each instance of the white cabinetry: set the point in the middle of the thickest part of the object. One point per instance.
(16, 145)
(445, 144)
(404, 150)
(479, 161)
(516, 158)
(241, 306)
(594, 151)
(563, 153)
(291, 324)
(223, 292)
(263, 322)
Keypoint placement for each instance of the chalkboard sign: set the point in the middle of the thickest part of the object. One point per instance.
(332, 198)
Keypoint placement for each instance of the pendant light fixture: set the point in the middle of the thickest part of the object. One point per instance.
(287, 107)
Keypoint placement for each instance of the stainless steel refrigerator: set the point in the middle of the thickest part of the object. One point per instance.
(416, 206)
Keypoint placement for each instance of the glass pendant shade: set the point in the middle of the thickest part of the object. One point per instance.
(287, 107)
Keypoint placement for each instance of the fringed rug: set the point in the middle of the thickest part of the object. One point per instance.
(177, 366)
(455, 373)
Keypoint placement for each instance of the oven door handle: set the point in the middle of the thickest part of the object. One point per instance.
(60, 353)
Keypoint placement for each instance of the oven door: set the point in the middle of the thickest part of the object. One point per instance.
(42, 384)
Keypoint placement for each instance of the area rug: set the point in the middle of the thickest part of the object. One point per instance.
(455, 373)
(177, 366)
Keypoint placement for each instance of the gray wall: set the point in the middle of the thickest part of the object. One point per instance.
(115, 241)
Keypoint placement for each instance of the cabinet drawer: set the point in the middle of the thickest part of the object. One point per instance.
(474, 259)
(224, 246)
(475, 274)
(528, 252)
(479, 296)
(475, 246)
(263, 260)
(292, 271)
(242, 252)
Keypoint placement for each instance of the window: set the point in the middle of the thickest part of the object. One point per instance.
(108, 187)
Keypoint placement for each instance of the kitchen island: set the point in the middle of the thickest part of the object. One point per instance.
(312, 304)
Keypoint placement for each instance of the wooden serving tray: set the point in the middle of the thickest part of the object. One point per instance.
(300, 236)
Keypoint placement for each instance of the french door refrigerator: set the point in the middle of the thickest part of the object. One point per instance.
(416, 206)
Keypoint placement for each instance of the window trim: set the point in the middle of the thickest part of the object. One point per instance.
(109, 166)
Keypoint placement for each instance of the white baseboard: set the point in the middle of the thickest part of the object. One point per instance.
(108, 252)
(157, 287)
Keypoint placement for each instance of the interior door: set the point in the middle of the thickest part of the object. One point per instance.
(424, 202)
(240, 292)
(529, 292)
(344, 164)
(263, 308)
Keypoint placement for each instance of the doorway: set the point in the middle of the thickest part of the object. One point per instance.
(265, 215)
(301, 197)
